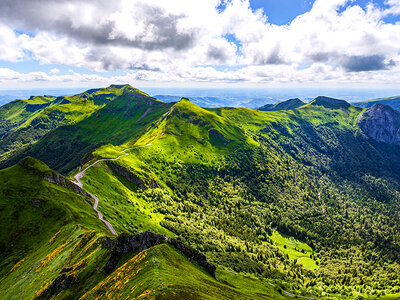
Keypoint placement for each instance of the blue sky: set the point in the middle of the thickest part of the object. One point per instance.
(283, 11)
(210, 43)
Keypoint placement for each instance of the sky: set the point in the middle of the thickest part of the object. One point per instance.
(207, 43)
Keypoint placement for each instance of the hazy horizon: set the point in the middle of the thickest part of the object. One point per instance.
(217, 97)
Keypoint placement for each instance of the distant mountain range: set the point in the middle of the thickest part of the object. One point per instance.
(393, 102)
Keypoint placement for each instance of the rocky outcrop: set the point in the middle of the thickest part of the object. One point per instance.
(125, 243)
(40, 169)
(57, 286)
(381, 123)
(62, 181)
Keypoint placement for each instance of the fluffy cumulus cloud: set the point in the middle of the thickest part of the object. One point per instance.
(208, 40)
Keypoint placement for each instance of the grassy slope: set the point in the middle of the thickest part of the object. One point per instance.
(164, 273)
(40, 226)
(120, 204)
(295, 249)
(28, 201)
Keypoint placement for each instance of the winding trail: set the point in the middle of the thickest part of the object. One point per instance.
(78, 182)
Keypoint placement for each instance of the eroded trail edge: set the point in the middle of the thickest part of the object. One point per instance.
(78, 182)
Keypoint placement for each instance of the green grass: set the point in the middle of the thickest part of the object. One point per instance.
(41, 230)
(120, 202)
(295, 249)
(32, 210)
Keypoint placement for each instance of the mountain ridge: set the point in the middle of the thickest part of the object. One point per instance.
(283, 105)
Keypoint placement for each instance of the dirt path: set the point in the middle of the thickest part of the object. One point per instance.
(78, 182)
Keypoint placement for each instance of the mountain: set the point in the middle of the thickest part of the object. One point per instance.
(393, 102)
(381, 123)
(298, 202)
(124, 115)
(24, 122)
(284, 105)
(328, 102)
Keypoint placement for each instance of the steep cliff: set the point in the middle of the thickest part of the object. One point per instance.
(381, 123)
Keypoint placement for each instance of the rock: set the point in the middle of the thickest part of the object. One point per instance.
(107, 243)
(32, 165)
(59, 284)
(130, 244)
(381, 123)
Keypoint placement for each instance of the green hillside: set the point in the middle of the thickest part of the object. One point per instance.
(41, 223)
(292, 201)
(328, 102)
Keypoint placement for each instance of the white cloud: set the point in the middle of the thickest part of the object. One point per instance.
(54, 71)
(10, 44)
(182, 40)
